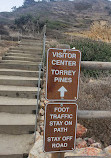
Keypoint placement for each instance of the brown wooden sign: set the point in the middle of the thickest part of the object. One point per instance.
(63, 71)
(60, 127)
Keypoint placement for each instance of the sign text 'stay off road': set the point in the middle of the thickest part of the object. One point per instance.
(63, 71)
(60, 127)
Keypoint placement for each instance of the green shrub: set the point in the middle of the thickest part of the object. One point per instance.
(56, 25)
(82, 6)
(3, 31)
(93, 51)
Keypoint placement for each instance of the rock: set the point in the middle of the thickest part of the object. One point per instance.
(37, 135)
(42, 99)
(42, 133)
(89, 141)
(96, 145)
(41, 112)
(81, 143)
(38, 128)
(43, 92)
(37, 150)
(42, 105)
(41, 123)
(88, 151)
(41, 128)
(41, 118)
(46, 102)
(108, 151)
(78, 140)
(81, 130)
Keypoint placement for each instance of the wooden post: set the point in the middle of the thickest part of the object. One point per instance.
(57, 155)
(90, 114)
(96, 65)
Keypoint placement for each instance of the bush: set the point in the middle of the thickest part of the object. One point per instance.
(82, 6)
(93, 51)
(3, 31)
(56, 25)
(23, 20)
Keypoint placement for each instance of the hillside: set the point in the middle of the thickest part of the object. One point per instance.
(71, 17)
(83, 24)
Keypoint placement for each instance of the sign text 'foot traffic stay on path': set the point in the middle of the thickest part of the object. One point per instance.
(60, 127)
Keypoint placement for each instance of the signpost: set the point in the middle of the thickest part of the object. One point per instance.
(63, 71)
(60, 127)
(62, 86)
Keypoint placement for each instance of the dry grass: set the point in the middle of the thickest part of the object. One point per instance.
(5, 45)
(95, 94)
(99, 129)
(99, 30)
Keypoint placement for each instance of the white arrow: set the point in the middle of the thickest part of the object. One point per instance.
(62, 90)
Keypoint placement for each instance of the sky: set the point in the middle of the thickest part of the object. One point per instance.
(6, 5)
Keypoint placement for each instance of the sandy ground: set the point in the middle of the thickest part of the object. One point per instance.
(95, 94)
(5, 45)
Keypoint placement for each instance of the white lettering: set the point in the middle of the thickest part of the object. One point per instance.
(64, 62)
(59, 145)
(64, 55)
(61, 116)
(55, 123)
(64, 79)
(62, 129)
(66, 138)
(63, 72)
(61, 109)
(49, 139)
(68, 123)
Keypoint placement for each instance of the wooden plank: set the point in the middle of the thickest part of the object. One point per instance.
(57, 155)
(88, 114)
(93, 65)
(85, 157)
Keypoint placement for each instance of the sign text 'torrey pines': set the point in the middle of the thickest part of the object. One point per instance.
(63, 70)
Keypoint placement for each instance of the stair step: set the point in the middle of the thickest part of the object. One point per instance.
(24, 55)
(17, 105)
(36, 52)
(16, 72)
(38, 39)
(20, 66)
(16, 123)
(15, 146)
(18, 91)
(31, 49)
(19, 81)
(21, 58)
(31, 44)
(35, 42)
(20, 62)
(18, 98)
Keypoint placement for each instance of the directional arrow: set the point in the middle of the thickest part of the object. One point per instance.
(62, 90)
